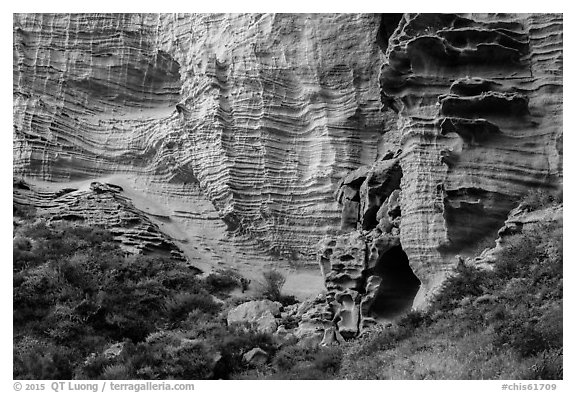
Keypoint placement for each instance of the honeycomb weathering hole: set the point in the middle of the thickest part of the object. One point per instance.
(398, 288)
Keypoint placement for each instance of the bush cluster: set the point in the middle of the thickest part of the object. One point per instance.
(75, 292)
(299, 362)
(272, 288)
(539, 198)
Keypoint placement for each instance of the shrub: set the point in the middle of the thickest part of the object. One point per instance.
(34, 294)
(287, 300)
(550, 325)
(25, 212)
(234, 344)
(529, 270)
(478, 247)
(188, 360)
(288, 357)
(179, 305)
(164, 355)
(290, 322)
(134, 307)
(383, 338)
(93, 367)
(75, 288)
(538, 199)
(116, 372)
(547, 365)
(143, 293)
(244, 284)
(328, 360)
(221, 282)
(467, 282)
(204, 326)
(413, 320)
(36, 231)
(297, 362)
(517, 253)
(520, 334)
(386, 338)
(35, 359)
(273, 283)
(21, 244)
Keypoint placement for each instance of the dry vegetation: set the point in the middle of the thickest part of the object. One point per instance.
(76, 294)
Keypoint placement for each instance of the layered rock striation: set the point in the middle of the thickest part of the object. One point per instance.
(395, 142)
(479, 105)
(101, 205)
(264, 112)
(479, 99)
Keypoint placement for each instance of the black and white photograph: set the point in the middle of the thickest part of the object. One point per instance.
(286, 196)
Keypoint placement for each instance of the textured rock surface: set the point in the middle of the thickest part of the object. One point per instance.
(264, 112)
(268, 116)
(257, 314)
(519, 219)
(102, 205)
(480, 104)
(255, 356)
(365, 270)
(479, 100)
(316, 320)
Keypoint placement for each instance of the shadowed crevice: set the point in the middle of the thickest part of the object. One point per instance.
(398, 287)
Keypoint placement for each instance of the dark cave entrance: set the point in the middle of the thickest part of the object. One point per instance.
(398, 287)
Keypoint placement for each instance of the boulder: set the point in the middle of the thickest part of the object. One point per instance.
(101, 188)
(113, 351)
(331, 337)
(283, 336)
(255, 356)
(259, 315)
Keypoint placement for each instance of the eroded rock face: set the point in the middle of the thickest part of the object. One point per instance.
(366, 272)
(316, 320)
(519, 220)
(428, 127)
(101, 205)
(342, 260)
(265, 112)
(479, 99)
(480, 125)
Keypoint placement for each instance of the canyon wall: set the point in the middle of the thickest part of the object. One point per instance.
(380, 139)
(479, 104)
(265, 113)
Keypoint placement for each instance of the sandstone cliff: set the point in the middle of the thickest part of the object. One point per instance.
(393, 140)
(264, 112)
(479, 104)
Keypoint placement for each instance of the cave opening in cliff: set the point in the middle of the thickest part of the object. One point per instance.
(398, 287)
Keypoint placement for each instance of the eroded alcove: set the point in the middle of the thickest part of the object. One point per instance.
(398, 285)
